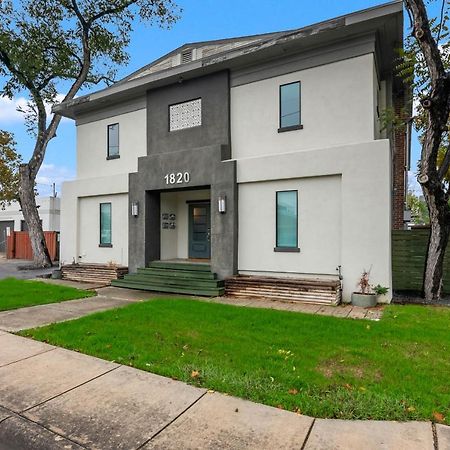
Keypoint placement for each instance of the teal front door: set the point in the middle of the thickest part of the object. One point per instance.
(200, 230)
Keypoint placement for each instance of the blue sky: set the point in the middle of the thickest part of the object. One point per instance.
(200, 20)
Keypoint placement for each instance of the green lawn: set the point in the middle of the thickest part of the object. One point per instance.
(19, 293)
(397, 368)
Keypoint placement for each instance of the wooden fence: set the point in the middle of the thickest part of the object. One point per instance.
(19, 245)
(409, 249)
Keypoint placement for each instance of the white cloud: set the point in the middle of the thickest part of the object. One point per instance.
(413, 184)
(9, 108)
(52, 173)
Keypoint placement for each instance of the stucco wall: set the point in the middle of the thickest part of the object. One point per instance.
(80, 220)
(89, 230)
(213, 90)
(49, 212)
(319, 226)
(337, 108)
(174, 243)
(92, 139)
(359, 208)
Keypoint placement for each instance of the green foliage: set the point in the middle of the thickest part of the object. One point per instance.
(413, 69)
(380, 290)
(9, 170)
(419, 209)
(45, 43)
(319, 366)
(19, 294)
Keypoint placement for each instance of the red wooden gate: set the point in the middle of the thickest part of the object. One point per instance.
(19, 245)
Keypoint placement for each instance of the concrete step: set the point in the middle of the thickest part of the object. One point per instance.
(207, 292)
(174, 281)
(185, 274)
(197, 267)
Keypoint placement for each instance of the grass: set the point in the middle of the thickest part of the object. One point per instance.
(395, 369)
(19, 293)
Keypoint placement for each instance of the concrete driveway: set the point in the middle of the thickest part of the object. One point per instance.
(10, 268)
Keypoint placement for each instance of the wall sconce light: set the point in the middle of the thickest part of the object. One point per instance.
(222, 204)
(135, 209)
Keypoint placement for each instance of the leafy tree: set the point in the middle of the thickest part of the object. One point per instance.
(419, 209)
(426, 64)
(9, 170)
(53, 46)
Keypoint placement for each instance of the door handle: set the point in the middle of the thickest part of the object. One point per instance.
(208, 235)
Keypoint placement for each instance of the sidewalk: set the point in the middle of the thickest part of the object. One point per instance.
(51, 398)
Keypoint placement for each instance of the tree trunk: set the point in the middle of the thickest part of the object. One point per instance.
(41, 256)
(437, 245)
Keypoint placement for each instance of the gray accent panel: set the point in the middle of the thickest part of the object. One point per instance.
(305, 60)
(112, 111)
(207, 169)
(214, 92)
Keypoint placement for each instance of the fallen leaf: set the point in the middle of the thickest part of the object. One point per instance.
(438, 416)
(410, 409)
(293, 391)
(195, 374)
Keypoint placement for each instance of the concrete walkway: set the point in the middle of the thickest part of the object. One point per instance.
(35, 316)
(51, 398)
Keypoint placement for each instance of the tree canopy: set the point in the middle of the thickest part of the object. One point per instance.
(9, 170)
(53, 48)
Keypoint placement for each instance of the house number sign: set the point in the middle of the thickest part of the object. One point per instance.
(177, 177)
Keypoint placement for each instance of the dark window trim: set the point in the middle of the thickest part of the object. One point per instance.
(104, 244)
(294, 127)
(278, 248)
(108, 156)
(198, 201)
(286, 249)
(180, 103)
(299, 126)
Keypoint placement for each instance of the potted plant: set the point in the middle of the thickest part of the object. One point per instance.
(380, 290)
(364, 297)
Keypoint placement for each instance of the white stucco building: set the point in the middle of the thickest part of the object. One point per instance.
(11, 218)
(261, 155)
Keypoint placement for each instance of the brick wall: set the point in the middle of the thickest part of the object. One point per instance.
(399, 168)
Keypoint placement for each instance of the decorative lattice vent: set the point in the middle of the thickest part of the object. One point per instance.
(185, 115)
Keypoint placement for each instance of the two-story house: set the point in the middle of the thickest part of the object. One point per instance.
(262, 155)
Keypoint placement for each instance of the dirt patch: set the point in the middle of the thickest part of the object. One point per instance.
(331, 368)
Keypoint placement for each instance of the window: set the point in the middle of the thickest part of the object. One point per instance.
(113, 141)
(24, 225)
(185, 115)
(287, 221)
(290, 107)
(105, 225)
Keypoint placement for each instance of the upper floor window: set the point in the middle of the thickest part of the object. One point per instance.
(287, 221)
(290, 117)
(185, 115)
(113, 141)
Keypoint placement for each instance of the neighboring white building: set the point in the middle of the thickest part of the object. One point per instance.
(11, 218)
(261, 154)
